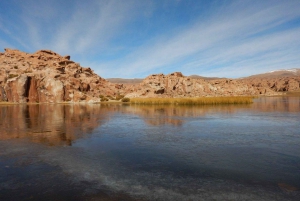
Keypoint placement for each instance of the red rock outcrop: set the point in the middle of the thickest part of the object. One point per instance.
(45, 76)
(177, 85)
(279, 84)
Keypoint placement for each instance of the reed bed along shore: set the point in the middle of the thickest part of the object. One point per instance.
(193, 101)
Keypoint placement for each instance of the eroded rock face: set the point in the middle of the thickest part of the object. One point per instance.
(15, 89)
(280, 84)
(46, 76)
(177, 85)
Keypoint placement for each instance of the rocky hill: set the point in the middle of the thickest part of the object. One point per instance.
(278, 84)
(278, 74)
(177, 85)
(47, 77)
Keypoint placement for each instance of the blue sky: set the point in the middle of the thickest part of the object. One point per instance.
(136, 38)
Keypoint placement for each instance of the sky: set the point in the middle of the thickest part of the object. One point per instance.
(136, 38)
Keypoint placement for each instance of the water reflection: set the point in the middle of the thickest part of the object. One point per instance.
(278, 104)
(173, 115)
(231, 152)
(50, 124)
(62, 124)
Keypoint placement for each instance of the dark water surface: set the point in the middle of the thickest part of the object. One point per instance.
(122, 152)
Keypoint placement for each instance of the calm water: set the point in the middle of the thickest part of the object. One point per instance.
(119, 152)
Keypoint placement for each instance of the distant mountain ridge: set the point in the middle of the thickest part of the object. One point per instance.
(204, 78)
(271, 74)
(278, 73)
(125, 81)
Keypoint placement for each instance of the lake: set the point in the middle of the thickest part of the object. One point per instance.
(127, 152)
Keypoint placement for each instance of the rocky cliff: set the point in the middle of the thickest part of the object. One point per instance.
(46, 76)
(177, 85)
(278, 84)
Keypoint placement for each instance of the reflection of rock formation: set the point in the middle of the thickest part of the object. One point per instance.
(162, 115)
(50, 124)
(279, 104)
(62, 124)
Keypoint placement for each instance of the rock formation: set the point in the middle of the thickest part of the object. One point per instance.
(279, 84)
(45, 76)
(177, 85)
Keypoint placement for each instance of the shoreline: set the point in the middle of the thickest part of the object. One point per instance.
(296, 94)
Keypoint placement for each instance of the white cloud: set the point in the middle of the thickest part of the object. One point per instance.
(93, 27)
(70, 28)
(240, 35)
(266, 48)
(228, 36)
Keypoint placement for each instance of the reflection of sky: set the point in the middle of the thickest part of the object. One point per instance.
(245, 145)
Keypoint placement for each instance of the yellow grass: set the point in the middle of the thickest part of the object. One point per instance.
(293, 93)
(193, 101)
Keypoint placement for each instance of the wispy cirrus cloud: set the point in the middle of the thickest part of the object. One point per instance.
(138, 38)
(92, 26)
(234, 33)
(254, 55)
(71, 27)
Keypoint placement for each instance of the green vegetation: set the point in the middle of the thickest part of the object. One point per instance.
(119, 97)
(110, 97)
(182, 101)
(12, 75)
(103, 99)
(193, 101)
(125, 100)
(293, 93)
